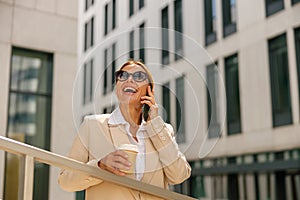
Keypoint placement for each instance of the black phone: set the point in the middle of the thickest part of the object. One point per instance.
(146, 108)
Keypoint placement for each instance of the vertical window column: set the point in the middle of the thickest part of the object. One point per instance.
(166, 101)
(232, 95)
(229, 17)
(210, 21)
(88, 82)
(178, 27)
(180, 110)
(273, 6)
(109, 16)
(213, 117)
(142, 42)
(297, 46)
(109, 68)
(165, 57)
(89, 34)
(280, 86)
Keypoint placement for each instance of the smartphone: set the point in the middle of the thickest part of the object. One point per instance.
(146, 109)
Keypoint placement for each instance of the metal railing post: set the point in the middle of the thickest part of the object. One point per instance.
(28, 178)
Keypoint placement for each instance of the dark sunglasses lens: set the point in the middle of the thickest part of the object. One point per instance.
(122, 75)
(139, 76)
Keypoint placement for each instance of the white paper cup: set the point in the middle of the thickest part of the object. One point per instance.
(132, 151)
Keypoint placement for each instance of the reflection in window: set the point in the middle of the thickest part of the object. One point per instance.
(29, 116)
(280, 86)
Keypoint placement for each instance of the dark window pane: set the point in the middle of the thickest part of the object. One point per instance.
(131, 7)
(210, 21)
(273, 6)
(297, 45)
(106, 19)
(232, 95)
(212, 104)
(113, 14)
(105, 72)
(180, 110)
(280, 87)
(141, 4)
(113, 66)
(166, 102)
(178, 29)
(295, 1)
(142, 42)
(165, 36)
(131, 45)
(229, 17)
(80, 195)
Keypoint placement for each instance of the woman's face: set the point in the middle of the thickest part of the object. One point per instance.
(130, 91)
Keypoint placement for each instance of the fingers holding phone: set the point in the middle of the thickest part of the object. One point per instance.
(149, 100)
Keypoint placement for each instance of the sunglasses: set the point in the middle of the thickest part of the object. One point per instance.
(138, 76)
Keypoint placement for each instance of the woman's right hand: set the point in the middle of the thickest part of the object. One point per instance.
(114, 162)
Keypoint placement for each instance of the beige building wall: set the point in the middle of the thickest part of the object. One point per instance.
(49, 26)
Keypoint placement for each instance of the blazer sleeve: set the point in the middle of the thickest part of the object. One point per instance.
(75, 181)
(175, 165)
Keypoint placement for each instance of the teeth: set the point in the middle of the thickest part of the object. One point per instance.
(129, 89)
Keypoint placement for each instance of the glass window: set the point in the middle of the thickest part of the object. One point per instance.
(80, 195)
(29, 116)
(131, 45)
(166, 100)
(88, 82)
(273, 6)
(178, 29)
(232, 182)
(232, 95)
(109, 68)
(229, 17)
(213, 117)
(165, 58)
(210, 21)
(89, 34)
(108, 109)
(88, 3)
(295, 1)
(280, 87)
(109, 16)
(141, 4)
(180, 110)
(297, 45)
(142, 42)
(131, 7)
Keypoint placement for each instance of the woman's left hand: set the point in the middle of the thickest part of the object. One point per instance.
(150, 101)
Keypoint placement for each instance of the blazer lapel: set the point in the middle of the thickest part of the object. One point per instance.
(118, 135)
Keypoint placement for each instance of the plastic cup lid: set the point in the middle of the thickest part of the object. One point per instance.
(129, 147)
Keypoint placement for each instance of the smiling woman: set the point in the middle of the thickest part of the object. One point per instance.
(158, 161)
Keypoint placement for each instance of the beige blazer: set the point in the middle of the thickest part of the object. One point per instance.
(164, 163)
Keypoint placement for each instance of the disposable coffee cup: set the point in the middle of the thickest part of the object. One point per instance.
(132, 151)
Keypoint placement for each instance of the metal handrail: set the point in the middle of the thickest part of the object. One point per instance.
(32, 154)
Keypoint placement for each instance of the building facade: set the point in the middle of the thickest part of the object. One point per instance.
(38, 62)
(227, 79)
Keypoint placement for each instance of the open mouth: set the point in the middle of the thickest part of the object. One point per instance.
(129, 89)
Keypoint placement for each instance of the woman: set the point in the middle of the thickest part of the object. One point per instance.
(159, 161)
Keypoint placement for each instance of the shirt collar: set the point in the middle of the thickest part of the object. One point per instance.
(117, 118)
